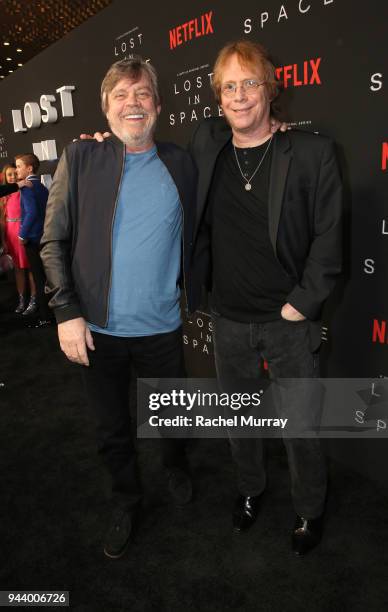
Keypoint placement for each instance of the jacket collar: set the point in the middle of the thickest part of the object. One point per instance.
(281, 156)
(219, 135)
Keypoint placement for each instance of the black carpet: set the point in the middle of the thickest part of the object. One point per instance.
(53, 512)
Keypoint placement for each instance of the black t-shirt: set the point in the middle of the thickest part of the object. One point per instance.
(249, 283)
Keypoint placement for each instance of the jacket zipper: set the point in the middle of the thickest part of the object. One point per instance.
(183, 233)
(111, 237)
(183, 255)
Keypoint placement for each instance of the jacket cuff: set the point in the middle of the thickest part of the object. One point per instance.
(66, 313)
(300, 299)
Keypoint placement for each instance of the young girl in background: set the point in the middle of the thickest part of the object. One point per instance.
(10, 214)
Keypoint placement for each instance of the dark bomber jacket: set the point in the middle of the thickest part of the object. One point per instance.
(77, 238)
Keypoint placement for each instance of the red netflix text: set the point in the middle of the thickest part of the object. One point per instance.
(298, 75)
(379, 332)
(384, 155)
(200, 26)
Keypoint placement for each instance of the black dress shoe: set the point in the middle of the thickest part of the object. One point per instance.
(119, 533)
(180, 486)
(245, 512)
(306, 535)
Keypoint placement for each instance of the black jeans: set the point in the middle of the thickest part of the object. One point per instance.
(239, 349)
(107, 382)
(36, 265)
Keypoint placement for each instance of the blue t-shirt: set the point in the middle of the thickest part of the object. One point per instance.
(146, 251)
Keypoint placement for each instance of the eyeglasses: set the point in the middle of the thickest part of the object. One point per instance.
(248, 85)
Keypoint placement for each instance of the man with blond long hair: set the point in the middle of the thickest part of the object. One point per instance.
(268, 246)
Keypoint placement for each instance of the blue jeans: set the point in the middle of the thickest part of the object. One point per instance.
(239, 349)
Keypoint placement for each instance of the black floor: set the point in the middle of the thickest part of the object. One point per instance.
(53, 512)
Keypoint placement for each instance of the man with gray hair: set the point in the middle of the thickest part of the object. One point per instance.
(116, 250)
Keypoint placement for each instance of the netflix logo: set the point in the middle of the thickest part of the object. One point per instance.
(384, 155)
(200, 26)
(379, 332)
(297, 75)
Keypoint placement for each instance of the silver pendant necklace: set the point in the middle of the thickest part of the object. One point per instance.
(248, 185)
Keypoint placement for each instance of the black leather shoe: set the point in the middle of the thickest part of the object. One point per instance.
(245, 512)
(306, 535)
(119, 533)
(180, 486)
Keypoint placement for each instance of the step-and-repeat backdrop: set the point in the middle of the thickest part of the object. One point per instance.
(330, 58)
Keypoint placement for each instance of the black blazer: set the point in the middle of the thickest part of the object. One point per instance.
(305, 210)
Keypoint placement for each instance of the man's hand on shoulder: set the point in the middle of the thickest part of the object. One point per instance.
(74, 339)
(24, 183)
(277, 125)
(289, 313)
(100, 137)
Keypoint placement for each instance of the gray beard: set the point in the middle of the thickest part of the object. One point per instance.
(136, 141)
